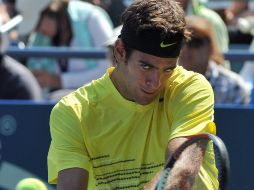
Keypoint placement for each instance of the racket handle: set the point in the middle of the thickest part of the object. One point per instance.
(163, 179)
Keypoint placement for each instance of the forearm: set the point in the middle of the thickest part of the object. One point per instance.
(180, 178)
(182, 175)
(187, 166)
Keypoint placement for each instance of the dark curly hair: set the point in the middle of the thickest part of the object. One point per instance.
(165, 16)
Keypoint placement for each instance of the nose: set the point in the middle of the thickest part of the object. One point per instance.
(153, 82)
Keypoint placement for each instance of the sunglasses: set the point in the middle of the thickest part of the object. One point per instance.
(196, 42)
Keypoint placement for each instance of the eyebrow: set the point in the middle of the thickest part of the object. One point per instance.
(152, 65)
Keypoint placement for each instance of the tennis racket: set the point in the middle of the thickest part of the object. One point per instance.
(221, 159)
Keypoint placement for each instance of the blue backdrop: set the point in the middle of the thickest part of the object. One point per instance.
(25, 138)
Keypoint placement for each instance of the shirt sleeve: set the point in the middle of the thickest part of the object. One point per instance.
(67, 148)
(192, 108)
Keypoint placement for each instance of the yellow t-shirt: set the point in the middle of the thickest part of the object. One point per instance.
(121, 143)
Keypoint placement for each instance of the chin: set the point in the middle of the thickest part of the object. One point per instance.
(144, 101)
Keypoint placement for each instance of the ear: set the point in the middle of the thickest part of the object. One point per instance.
(119, 51)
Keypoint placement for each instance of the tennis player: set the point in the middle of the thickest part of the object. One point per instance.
(118, 131)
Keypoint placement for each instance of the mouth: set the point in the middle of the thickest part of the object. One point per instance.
(148, 92)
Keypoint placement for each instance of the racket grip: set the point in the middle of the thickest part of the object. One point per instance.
(163, 180)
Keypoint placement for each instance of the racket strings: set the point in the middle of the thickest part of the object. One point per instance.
(218, 163)
(222, 162)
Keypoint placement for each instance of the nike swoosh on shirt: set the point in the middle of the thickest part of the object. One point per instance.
(162, 45)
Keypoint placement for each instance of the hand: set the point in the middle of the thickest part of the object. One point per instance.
(46, 79)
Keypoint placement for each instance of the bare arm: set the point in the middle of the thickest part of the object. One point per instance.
(186, 168)
(74, 179)
(188, 164)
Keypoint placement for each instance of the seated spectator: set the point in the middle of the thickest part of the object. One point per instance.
(235, 10)
(238, 17)
(10, 14)
(241, 14)
(11, 7)
(247, 71)
(30, 11)
(16, 81)
(115, 10)
(72, 24)
(196, 7)
(201, 54)
(5, 17)
(102, 3)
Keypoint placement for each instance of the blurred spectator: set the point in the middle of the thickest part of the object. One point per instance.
(247, 71)
(235, 10)
(17, 82)
(201, 54)
(115, 10)
(197, 7)
(236, 16)
(11, 15)
(102, 3)
(4, 14)
(73, 24)
(241, 16)
(11, 7)
(30, 10)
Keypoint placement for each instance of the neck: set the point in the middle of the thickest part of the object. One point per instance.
(119, 83)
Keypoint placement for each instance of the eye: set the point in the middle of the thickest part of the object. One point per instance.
(169, 70)
(145, 66)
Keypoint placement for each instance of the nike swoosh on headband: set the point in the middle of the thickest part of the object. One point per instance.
(162, 45)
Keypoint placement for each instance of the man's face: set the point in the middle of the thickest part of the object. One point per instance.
(195, 56)
(144, 76)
